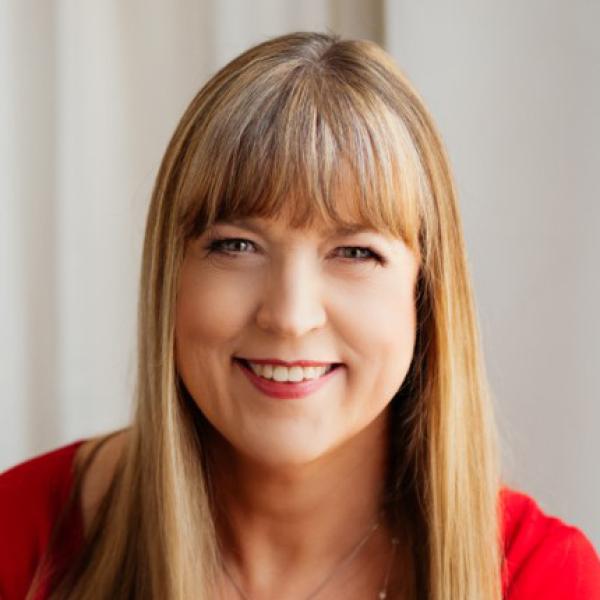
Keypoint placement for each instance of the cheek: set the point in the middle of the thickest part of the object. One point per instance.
(400, 313)
(380, 328)
(210, 312)
(396, 326)
(382, 322)
(395, 346)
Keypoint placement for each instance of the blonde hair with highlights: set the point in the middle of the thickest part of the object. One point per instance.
(272, 134)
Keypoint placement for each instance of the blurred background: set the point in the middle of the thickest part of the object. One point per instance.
(90, 94)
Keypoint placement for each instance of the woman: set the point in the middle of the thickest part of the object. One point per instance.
(312, 416)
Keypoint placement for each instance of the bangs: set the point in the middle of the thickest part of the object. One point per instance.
(310, 149)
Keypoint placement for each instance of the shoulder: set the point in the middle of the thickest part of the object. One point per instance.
(544, 556)
(37, 486)
(32, 495)
(102, 455)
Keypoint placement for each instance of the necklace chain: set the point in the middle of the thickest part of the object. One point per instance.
(347, 559)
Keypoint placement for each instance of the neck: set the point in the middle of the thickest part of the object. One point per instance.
(273, 522)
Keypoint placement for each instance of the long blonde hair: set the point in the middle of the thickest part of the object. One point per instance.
(269, 135)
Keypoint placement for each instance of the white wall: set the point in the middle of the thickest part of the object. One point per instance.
(515, 89)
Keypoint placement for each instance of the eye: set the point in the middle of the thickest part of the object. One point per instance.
(364, 254)
(227, 245)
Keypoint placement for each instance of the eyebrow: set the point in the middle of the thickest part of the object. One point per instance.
(243, 223)
(341, 230)
(354, 228)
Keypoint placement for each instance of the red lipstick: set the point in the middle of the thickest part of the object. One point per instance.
(286, 390)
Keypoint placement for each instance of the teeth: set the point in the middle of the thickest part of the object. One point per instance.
(292, 374)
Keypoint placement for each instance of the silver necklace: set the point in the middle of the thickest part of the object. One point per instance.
(382, 595)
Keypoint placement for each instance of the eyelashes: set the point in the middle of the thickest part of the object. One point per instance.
(219, 245)
(369, 256)
(223, 246)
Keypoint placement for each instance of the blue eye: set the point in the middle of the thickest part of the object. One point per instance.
(219, 246)
(359, 253)
(237, 246)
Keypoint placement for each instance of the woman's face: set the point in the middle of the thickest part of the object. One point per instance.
(274, 293)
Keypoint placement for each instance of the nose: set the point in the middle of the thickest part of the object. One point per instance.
(292, 303)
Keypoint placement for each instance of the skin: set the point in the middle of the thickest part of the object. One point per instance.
(298, 481)
(100, 473)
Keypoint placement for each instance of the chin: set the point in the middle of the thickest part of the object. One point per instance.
(284, 453)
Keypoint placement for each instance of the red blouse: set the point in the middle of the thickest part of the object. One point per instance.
(545, 557)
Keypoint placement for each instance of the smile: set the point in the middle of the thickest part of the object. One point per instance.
(282, 373)
(282, 382)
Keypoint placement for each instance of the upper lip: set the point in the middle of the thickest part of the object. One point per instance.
(295, 363)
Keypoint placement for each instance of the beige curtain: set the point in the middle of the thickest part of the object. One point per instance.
(91, 92)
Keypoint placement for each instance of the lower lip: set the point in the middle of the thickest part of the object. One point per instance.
(285, 390)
